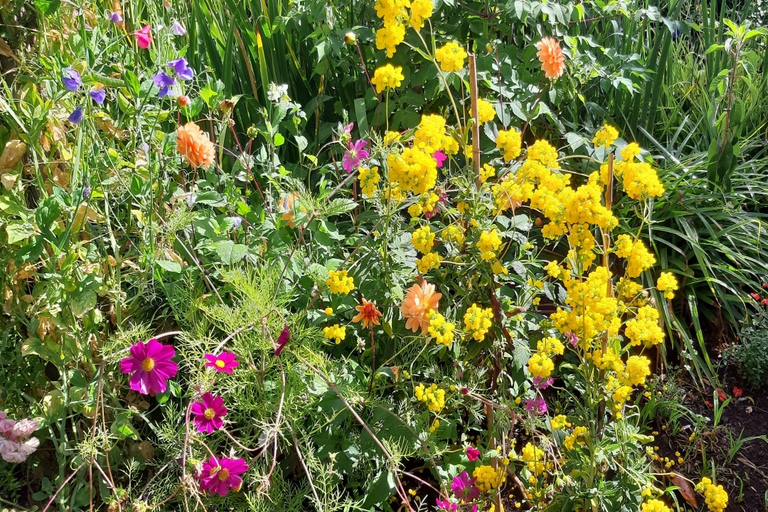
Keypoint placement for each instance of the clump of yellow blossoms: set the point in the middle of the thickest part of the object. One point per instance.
(644, 328)
(655, 506)
(387, 77)
(485, 111)
(534, 457)
(440, 329)
(488, 244)
(637, 369)
(428, 262)
(335, 332)
(369, 178)
(605, 136)
(510, 143)
(714, 495)
(487, 478)
(389, 36)
(451, 56)
(486, 172)
(421, 10)
(433, 397)
(559, 422)
(540, 365)
(570, 441)
(639, 179)
(423, 239)
(667, 284)
(639, 259)
(550, 346)
(339, 282)
(477, 321)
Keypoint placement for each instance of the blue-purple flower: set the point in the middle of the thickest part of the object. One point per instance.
(182, 69)
(71, 79)
(98, 95)
(178, 29)
(164, 83)
(115, 17)
(76, 117)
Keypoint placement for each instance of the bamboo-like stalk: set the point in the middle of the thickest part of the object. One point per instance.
(475, 117)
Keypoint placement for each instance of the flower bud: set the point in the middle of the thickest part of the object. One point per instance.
(226, 106)
(252, 132)
(182, 101)
(350, 37)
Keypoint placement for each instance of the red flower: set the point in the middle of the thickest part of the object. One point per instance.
(737, 392)
(722, 396)
(755, 296)
(764, 302)
(709, 404)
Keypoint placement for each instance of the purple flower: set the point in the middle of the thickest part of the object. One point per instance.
(464, 488)
(355, 155)
(183, 71)
(538, 406)
(178, 28)
(115, 17)
(98, 95)
(540, 383)
(446, 505)
(76, 117)
(71, 79)
(208, 413)
(163, 82)
(282, 341)
(151, 364)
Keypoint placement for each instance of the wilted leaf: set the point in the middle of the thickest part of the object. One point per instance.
(14, 150)
(85, 213)
(686, 490)
(6, 50)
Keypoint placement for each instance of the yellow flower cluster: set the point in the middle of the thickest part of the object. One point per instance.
(339, 282)
(454, 234)
(550, 346)
(667, 284)
(369, 177)
(639, 259)
(421, 10)
(477, 321)
(485, 111)
(628, 290)
(428, 262)
(430, 135)
(559, 422)
(423, 239)
(655, 506)
(392, 10)
(412, 170)
(486, 172)
(610, 361)
(510, 143)
(542, 151)
(639, 179)
(605, 136)
(487, 478)
(644, 328)
(389, 36)
(451, 56)
(540, 365)
(433, 397)
(387, 77)
(636, 370)
(440, 328)
(534, 457)
(570, 441)
(488, 244)
(714, 495)
(335, 332)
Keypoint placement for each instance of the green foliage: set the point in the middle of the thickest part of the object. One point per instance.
(750, 354)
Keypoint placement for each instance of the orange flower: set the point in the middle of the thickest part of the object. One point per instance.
(367, 313)
(419, 301)
(286, 207)
(551, 56)
(194, 145)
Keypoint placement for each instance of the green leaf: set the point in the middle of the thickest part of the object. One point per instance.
(362, 118)
(132, 82)
(211, 198)
(48, 6)
(279, 140)
(18, 231)
(229, 252)
(83, 302)
(169, 266)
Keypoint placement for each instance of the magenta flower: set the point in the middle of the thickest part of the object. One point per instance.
(446, 505)
(282, 341)
(473, 453)
(464, 488)
(354, 155)
(208, 413)
(151, 365)
(540, 383)
(538, 406)
(572, 338)
(439, 157)
(221, 474)
(143, 37)
(223, 362)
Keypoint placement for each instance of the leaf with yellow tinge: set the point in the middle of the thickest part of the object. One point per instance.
(85, 213)
(14, 150)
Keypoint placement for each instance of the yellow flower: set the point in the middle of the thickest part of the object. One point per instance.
(630, 152)
(389, 10)
(451, 57)
(440, 329)
(339, 282)
(606, 136)
(667, 284)
(510, 143)
(329, 311)
(559, 422)
(498, 268)
(542, 151)
(368, 177)
(540, 365)
(454, 234)
(486, 171)
(644, 328)
(389, 36)
(391, 137)
(423, 239)
(550, 346)
(637, 369)
(714, 495)
(387, 77)
(335, 332)
(488, 244)
(488, 478)
(655, 506)
(534, 456)
(421, 10)
(477, 321)
(414, 170)
(434, 398)
(485, 111)
(428, 262)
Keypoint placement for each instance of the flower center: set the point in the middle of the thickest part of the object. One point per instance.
(223, 475)
(209, 414)
(148, 364)
(220, 363)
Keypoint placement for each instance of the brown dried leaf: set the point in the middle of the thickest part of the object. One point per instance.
(686, 490)
(6, 50)
(14, 150)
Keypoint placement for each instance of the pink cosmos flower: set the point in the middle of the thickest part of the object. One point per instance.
(473, 453)
(464, 488)
(143, 37)
(221, 474)
(223, 362)
(446, 505)
(439, 157)
(151, 365)
(208, 413)
(354, 155)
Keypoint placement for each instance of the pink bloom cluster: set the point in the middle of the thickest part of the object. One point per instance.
(219, 475)
(15, 441)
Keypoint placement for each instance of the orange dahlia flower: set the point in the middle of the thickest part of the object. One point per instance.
(194, 145)
(551, 56)
(367, 313)
(419, 300)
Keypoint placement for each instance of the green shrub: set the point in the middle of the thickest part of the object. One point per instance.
(751, 355)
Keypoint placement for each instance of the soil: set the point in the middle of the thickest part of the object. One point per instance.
(743, 471)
